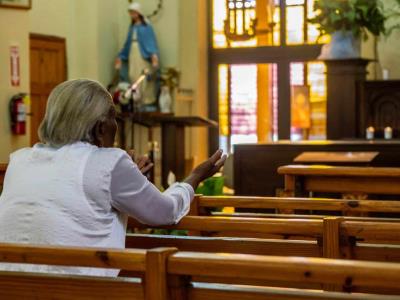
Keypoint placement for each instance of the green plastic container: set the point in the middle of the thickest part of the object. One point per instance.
(213, 186)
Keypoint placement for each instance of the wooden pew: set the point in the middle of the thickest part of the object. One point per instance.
(202, 205)
(329, 238)
(344, 180)
(17, 285)
(352, 276)
(172, 275)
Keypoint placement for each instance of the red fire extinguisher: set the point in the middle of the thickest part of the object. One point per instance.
(18, 114)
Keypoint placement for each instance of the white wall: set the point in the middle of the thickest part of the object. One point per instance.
(166, 25)
(90, 28)
(13, 31)
(193, 62)
(389, 56)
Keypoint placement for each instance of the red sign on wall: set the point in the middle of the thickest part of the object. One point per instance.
(15, 66)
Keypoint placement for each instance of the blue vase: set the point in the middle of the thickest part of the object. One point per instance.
(343, 45)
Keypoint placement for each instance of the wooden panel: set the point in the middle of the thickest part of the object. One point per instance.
(31, 286)
(132, 260)
(300, 203)
(342, 106)
(286, 228)
(371, 252)
(364, 180)
(226, 245)
(288, 269)
(379, 107)
(361, 251)
(371, 231)
(227, 292)
(385, 186)
(338, 157)
(260, 161)
(38, 110)
(339, 171)
(299, 216)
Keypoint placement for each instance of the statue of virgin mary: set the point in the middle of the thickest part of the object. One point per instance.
(141, 54)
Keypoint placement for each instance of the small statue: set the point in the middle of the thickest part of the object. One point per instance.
(165, 100)
(141, 53)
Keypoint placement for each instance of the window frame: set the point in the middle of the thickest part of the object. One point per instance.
(282, 56)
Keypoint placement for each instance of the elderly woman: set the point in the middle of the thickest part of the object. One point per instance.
(75, 189)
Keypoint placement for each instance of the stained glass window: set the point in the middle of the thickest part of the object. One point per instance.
(245, 90)
(312, 76)
(248, 93)
(239, 16)
(299, 31)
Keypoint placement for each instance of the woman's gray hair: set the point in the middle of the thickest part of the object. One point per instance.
(73, 109)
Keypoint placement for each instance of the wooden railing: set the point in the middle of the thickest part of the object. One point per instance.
(206, 205)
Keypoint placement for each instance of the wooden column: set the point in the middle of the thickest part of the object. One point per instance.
(156, 285)
(342, 107)
(331, 244)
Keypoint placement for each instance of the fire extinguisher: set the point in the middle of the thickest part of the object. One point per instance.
(18, 114)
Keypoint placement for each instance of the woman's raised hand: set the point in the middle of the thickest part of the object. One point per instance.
(206, 169)
(143, 162)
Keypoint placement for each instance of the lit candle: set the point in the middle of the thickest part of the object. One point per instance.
(385, 74)
(370, 133)
(388, 133)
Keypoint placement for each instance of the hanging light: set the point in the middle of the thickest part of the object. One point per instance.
(240, 25)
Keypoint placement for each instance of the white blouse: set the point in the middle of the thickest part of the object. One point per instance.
(80, 195)
(133, 194)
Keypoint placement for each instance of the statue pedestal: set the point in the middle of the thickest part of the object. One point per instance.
(342, 107)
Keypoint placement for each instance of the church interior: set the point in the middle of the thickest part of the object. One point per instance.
(199, 149)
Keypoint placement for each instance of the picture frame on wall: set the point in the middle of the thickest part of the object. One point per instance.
(16, 4)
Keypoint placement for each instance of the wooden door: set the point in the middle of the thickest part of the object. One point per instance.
(47, 69)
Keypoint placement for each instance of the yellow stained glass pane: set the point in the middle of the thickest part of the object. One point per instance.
(310, 78)
(295, 25)
(318, 99)
(219, 17)
(242, 21)
(277, 25)
(223, 97)
(317, 81)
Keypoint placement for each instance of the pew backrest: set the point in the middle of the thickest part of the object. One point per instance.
(203, 205)
(329, 238)
(19, 285)
(352, 276)
(168, 274)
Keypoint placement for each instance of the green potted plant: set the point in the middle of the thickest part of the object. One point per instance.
(347, 21)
